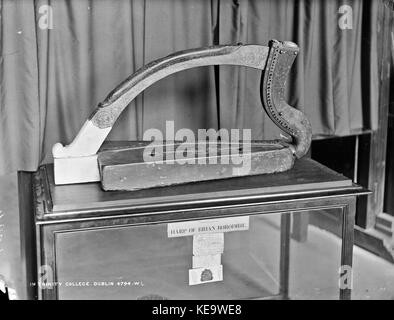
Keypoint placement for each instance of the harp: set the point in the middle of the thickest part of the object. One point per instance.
(124, 168)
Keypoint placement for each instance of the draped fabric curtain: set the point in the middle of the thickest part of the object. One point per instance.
(52, 79)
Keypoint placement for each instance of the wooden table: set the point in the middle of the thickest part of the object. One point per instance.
(70, 218)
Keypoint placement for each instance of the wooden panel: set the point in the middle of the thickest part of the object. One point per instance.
(379, 137)
(389, 187)
(27, 231)
(17, 242)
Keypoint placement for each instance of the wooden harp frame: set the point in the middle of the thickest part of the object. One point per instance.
(77, 162)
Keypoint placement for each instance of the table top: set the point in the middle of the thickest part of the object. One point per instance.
(307, 179)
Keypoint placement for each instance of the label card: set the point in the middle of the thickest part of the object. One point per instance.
(206, 261)
(208, 244)
(205, 275)
(190, 228)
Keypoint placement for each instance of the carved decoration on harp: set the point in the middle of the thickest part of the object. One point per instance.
(83, 161)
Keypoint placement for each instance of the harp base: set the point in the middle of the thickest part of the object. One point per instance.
(125, 169)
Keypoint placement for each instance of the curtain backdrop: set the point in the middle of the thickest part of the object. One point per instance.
(52, 79)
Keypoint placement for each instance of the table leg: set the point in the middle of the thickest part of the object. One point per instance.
(300, 226)
(284, 255)
(348, 219)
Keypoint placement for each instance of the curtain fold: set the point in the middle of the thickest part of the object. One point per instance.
(52, 79)
(20, 110)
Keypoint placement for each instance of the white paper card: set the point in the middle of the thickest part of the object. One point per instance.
(208, 244)
(189, 228)
(205, 275)
(206, 261)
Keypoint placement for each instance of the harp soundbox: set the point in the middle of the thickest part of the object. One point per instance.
(125, 168)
